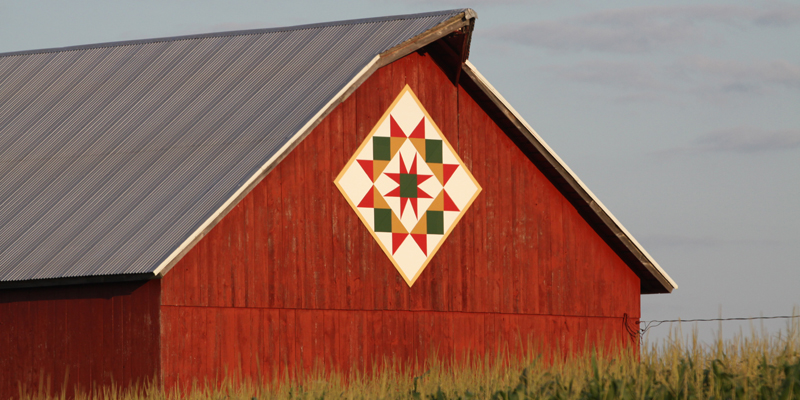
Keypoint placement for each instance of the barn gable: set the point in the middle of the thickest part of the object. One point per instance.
(278, 290)
(127, 153)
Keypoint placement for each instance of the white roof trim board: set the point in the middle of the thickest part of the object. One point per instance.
(85, 192)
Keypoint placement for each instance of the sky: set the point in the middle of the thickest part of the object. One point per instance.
(683, 118)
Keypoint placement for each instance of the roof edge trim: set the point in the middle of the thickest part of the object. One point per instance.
(468, 12)
(454, 23)
(594, 203)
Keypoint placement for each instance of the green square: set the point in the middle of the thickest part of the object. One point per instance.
(408, 185)
(435, 222)
(381, 148)
(433, 151)
(383, 220)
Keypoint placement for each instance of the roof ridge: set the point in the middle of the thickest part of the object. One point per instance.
(242, 32)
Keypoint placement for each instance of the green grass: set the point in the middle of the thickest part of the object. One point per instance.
(748, 366)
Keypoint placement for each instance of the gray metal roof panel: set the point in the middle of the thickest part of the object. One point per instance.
(112, 155)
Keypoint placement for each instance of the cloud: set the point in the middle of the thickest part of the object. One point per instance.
(638, 75)
(666, 240)
(736, 75)
(235, 26)
(641, 29)
(748, 140)
(195, 28)
(778, 15)
(471, 3)
(702, 77)
(743, 140)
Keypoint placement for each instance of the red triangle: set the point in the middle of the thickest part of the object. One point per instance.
(419, 131)
(394, 129)
(449, 205)
(394, 193)
(394, 177)
(422, 241)
(403, 202)
(448, 170)
(422, 195)
(397, 240)
(413, 170)
(413, 202)
(369, 199)
(366, 165)
(403, 169)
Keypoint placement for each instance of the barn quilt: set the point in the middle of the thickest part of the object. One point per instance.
(408, 185)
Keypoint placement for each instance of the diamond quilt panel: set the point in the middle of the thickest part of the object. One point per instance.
(408, 185)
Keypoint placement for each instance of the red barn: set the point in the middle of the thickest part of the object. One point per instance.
(265, 200)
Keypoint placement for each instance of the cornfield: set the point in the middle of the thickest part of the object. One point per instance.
(756, 365)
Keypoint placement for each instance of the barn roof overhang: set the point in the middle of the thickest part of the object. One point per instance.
(450, 37)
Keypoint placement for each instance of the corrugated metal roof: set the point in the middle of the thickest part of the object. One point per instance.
(113, 155)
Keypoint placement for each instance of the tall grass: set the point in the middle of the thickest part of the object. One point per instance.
(757, 365)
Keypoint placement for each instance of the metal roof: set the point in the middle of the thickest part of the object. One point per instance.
(115, 158)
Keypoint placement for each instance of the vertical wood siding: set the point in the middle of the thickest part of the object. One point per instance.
(291, 275)
(92, 334)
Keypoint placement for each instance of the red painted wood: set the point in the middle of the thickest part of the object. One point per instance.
(49, 330)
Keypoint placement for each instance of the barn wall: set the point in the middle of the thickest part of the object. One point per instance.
(88, 333)
(291, 274)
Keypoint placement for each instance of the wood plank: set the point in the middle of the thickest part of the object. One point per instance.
(484, 289)
(353, 231)
(252, 277)
(526, 250)
(571, 298)
(95, 344)
(273, 218)
(243, 341)
(339, 207)
(214, 321)
(184, 350)
(207, 274)
(215, 275)
(374, 337)
(291, 255)
(239, 273)
(504, 181)
(545, 248)
(23, 343)
(259, 228)
(301, 195)
(472, 288)
(194, 287)
(289, 340)
(320, 175)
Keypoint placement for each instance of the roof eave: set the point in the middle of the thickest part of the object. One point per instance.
(660, 282)
(78, 280)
